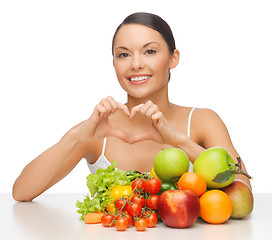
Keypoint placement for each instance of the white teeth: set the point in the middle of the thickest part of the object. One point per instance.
(139, 78)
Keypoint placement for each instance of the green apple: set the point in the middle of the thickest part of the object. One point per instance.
(170, 164)
(213, 161)
(241, 198)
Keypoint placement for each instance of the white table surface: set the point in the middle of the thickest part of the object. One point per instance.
(54, 216)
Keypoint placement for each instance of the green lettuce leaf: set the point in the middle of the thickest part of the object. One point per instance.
(100, 185)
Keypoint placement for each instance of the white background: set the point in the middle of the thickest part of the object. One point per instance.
(56, 65)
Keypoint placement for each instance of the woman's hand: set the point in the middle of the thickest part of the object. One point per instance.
(97, 126)
(160, 131)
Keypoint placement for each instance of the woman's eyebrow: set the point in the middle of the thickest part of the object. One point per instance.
(121, 48)
(150, 43)
(145, 45)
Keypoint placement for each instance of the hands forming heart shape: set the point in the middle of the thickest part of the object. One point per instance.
(159, 130)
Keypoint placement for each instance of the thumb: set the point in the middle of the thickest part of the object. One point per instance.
(139, 137)
(118, 134)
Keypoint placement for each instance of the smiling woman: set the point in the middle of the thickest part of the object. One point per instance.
(144, 61)
(131, 134)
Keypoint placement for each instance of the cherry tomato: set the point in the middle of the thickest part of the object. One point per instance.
(107, 220)
(151, 218)
(152, 202)
(140, 185)
(152, 185)
(121, 224)
(134, 209)
(127, 216)
(138, 199)
(141, 224)
(119, 203)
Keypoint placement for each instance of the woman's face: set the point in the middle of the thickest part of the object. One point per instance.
(142, 60)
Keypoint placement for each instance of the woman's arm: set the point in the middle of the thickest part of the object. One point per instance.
(162, 131)
(48, 168)
(56, 162)
(207, 130)
(210, 130)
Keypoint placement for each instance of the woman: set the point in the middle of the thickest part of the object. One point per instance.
(131, 134)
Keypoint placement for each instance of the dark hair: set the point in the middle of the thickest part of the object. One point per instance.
(153, 21)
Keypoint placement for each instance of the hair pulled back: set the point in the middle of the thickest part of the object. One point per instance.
(152, 21)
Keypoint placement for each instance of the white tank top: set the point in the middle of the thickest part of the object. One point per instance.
(103, 162)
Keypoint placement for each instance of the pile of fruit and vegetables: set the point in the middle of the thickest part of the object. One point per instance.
(169, 193)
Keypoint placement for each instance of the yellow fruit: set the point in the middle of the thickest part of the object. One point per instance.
(110, 208)
(153, 174)
(119, 191)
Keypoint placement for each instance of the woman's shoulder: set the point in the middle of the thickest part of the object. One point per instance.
(206, 124)
(197, 113)
(205, 118)
(205, 114)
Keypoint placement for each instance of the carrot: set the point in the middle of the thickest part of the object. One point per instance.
(93, 217)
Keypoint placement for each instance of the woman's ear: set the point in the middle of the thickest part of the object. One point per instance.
(174, 60)
(113, 63)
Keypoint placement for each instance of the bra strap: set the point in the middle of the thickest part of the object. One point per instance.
(189, 121)
(104, 146)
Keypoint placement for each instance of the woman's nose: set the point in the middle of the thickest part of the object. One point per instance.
(137, 63)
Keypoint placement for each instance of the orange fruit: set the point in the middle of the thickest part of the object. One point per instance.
(193, 181)
(215, 206)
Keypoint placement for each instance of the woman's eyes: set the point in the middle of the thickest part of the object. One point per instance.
(150, 51)
(123, 55)
(147, 52)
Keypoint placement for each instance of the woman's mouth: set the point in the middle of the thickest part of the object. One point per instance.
(139, 79)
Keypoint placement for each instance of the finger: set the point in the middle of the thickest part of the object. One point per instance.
(146, 106)
(100, 110)
(113, 104)
(124, 108)
(152, 110)
(136, 109)
(156, 117)
(106, 104)
(103, 107)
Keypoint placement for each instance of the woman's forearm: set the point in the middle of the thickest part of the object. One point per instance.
(192, 149)
(36, 176)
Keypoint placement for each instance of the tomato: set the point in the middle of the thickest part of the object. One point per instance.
(139, 183)
(107, 220)
(152, 202)
(138, 199)
(119, 191)
(141, 224)
(121, 224)
(134, 209)
(121, 204)
(151, 218)
(167, 186)
(127, 216)
(152, 185)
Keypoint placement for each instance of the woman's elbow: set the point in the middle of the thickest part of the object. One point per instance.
(20, 196)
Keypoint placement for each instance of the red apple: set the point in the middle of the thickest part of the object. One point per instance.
(178, 208)
(241, 198)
